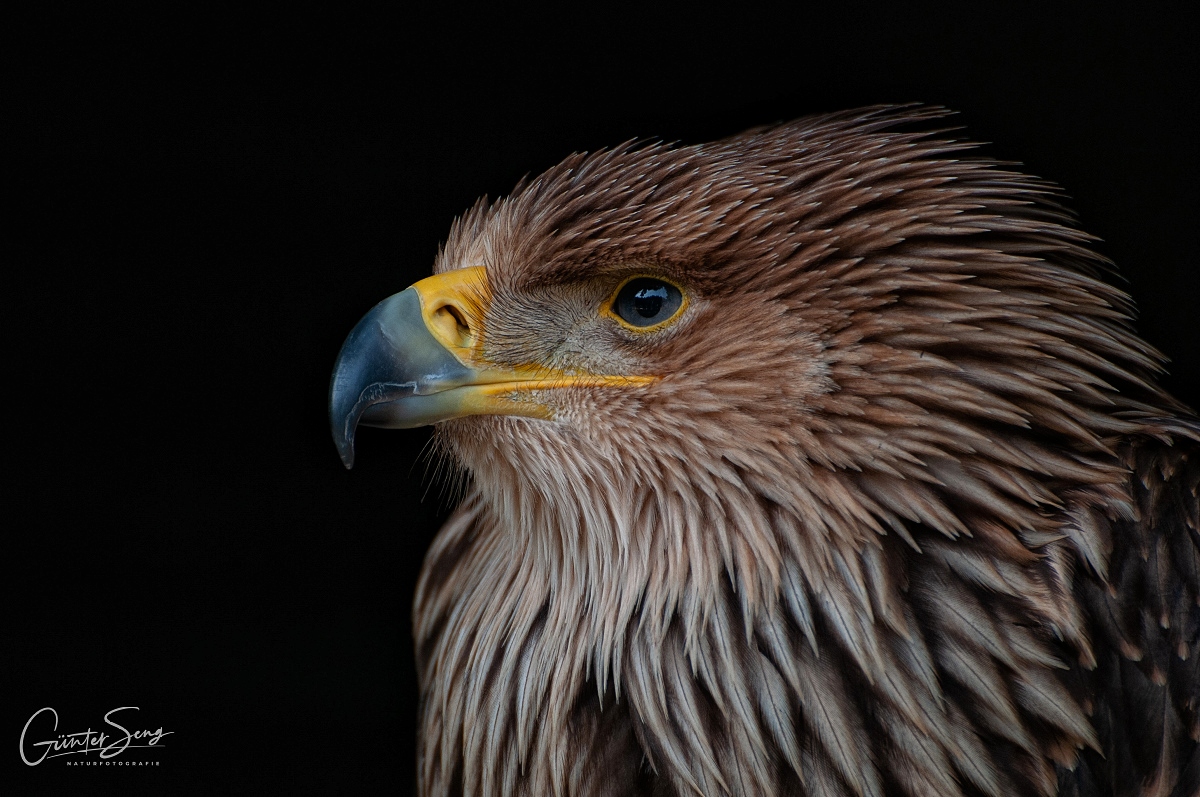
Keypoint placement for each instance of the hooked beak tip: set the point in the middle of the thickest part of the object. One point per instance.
(346, 452)
(343, 438)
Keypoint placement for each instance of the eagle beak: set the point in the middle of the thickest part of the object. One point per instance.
(416, 359)
(402, 363)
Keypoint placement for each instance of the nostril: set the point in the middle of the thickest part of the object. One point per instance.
(460, 321)
(452, 325)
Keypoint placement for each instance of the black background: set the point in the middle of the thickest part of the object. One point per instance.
(205, 206)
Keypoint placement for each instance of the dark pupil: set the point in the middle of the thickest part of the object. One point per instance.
(647, 302)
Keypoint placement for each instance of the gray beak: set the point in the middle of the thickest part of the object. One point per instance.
(389, 372)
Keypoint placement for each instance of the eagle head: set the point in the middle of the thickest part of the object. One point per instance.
(783, 456)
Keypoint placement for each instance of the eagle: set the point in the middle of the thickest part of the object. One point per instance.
(820, 460)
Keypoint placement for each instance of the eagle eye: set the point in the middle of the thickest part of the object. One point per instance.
(646, 302)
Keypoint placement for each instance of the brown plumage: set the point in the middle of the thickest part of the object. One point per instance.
(901, 512)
